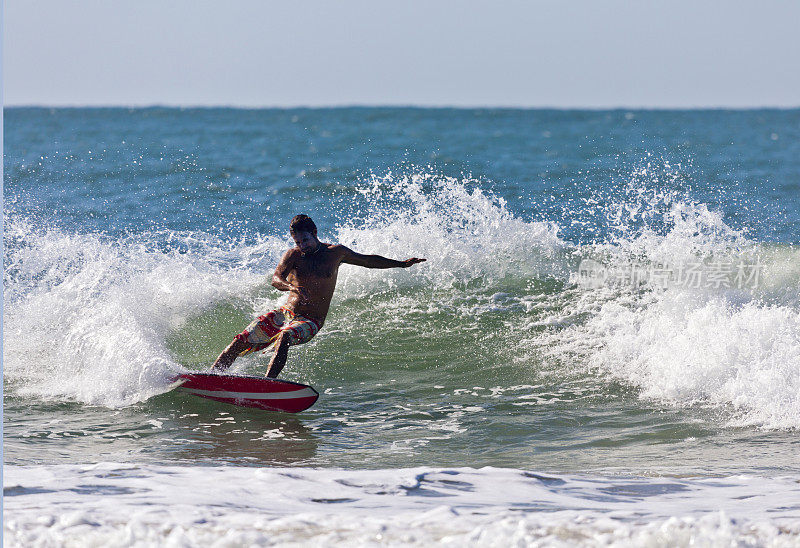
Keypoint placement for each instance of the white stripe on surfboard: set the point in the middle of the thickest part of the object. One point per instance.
(304, 393)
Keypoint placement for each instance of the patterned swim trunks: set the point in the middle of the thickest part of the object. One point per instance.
(264, 330)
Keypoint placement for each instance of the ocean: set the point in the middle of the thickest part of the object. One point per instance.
(602, 348)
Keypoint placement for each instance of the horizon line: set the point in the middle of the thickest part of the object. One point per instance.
(156, 105)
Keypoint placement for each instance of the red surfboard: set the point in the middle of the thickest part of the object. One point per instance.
(244, 391)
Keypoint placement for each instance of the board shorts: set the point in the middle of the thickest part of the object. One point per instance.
(264, 330)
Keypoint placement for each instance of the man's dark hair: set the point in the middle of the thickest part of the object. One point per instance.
(302, 223)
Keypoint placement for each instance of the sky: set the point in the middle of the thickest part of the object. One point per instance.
(535, 53)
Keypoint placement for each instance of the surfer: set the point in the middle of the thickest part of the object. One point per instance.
(308, 272)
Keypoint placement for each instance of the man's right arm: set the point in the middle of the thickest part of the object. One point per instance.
(280, 279)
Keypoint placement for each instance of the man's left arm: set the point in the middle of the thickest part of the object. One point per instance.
(374, 261)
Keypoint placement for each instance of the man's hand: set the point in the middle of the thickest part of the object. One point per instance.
(413, 260)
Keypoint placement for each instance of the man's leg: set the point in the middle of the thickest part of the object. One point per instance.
(279, 357)
(256, 336)
(225, 359)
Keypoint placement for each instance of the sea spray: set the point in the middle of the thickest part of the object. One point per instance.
(465, 232)
(686, 309)
(86, 317)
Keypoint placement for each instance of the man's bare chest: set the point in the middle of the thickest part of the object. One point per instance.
(316, 267)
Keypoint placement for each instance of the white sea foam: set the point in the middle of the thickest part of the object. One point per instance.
(123, 504)
(464, 232)
(737, 347)
(86, 318)
(713, 352)
(720, 344)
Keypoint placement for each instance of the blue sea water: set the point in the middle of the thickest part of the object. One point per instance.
(537, 347)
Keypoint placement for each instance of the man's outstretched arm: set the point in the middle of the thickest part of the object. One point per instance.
(375, 261)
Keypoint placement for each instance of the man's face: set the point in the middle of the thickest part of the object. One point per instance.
(306, 241)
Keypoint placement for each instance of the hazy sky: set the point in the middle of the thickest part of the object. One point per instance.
(583, 53)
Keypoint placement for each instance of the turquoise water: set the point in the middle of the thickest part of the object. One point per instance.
(116, 170)
(138, 242)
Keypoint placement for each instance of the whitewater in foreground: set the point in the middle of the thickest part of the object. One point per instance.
(110, 504)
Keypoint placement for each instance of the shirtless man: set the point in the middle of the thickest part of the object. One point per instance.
(308, 272)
